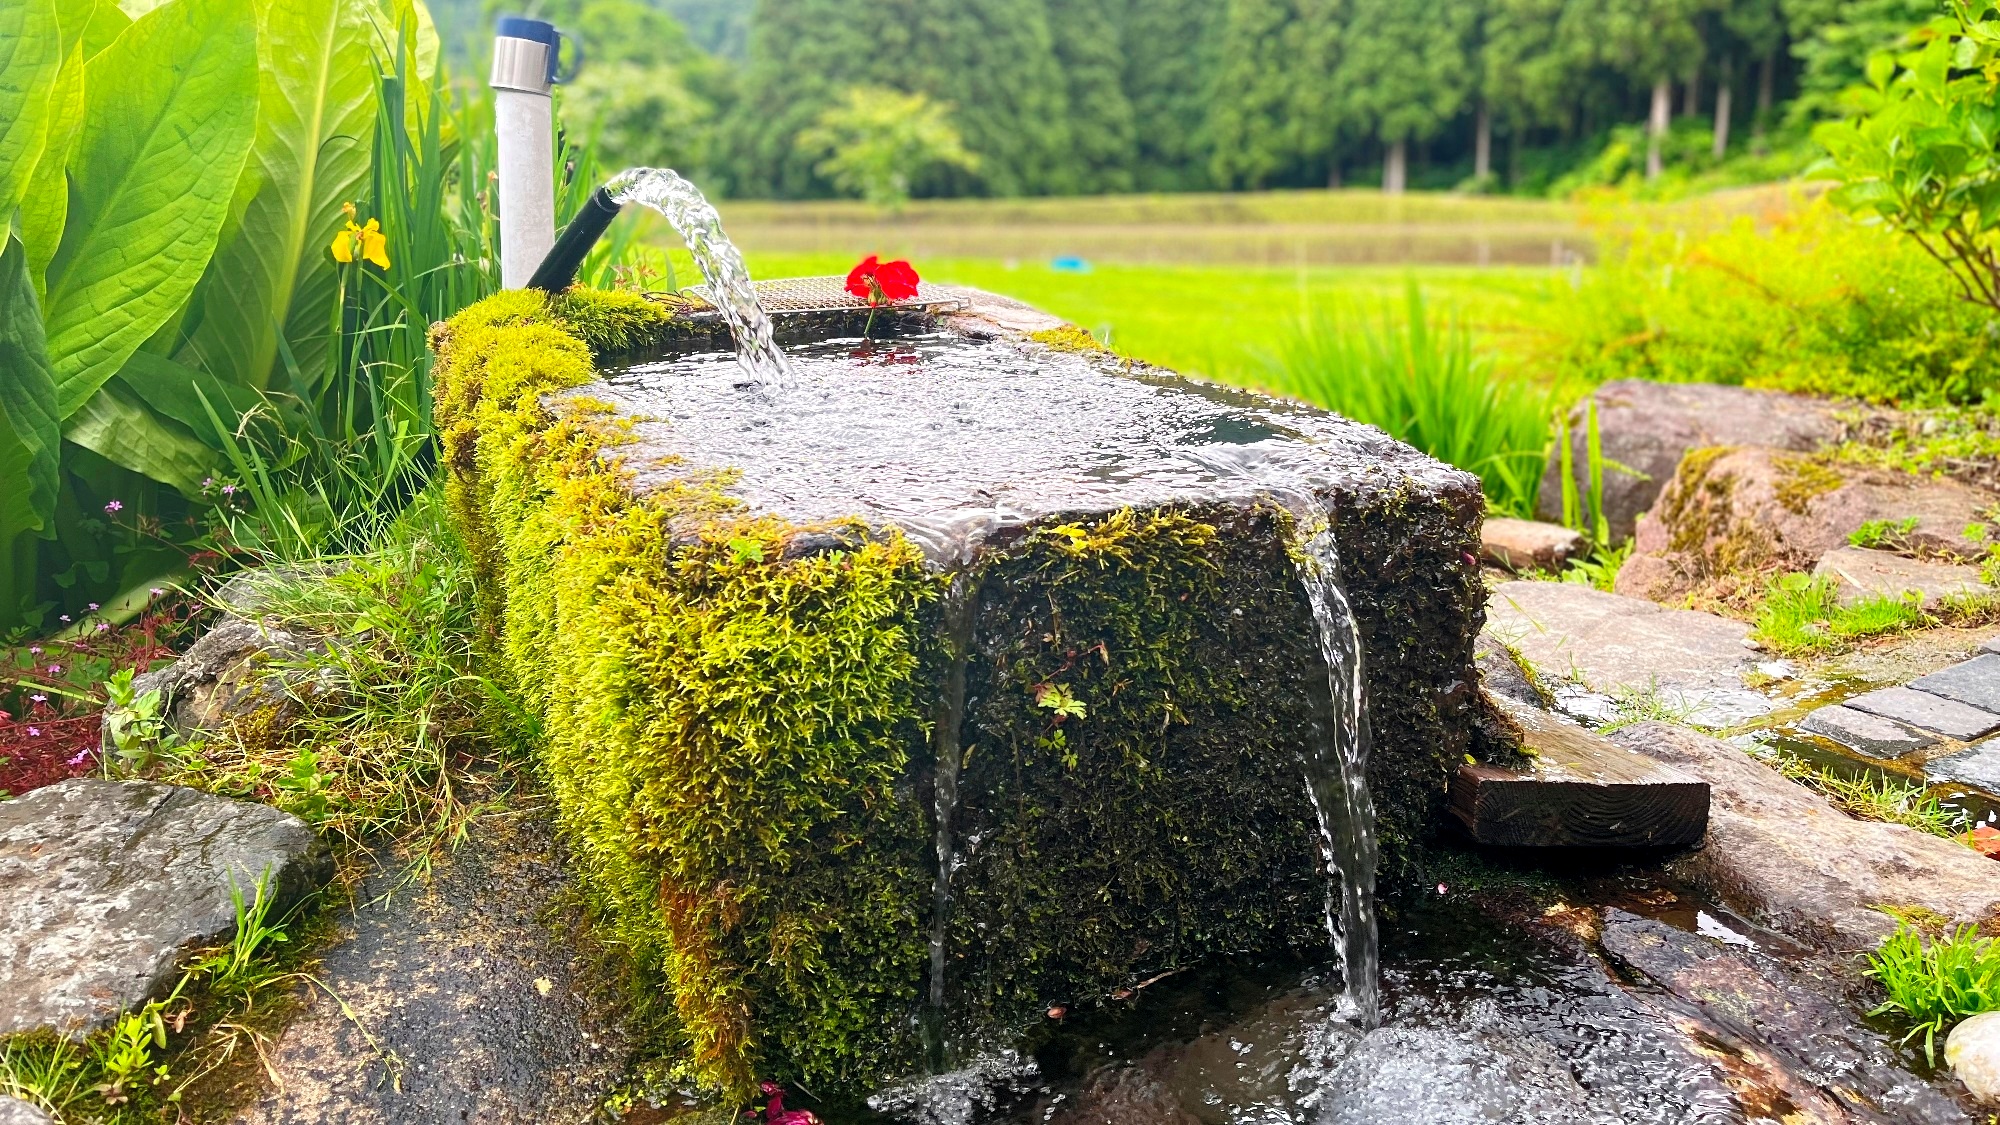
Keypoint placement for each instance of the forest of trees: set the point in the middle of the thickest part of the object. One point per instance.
(1084, 96)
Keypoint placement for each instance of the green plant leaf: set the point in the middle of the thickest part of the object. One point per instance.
(30, 443)
(170, 111)
(316, 118)
(175, 392)
(30, 55)
(118, 426)
(96, 26)
(45, 200)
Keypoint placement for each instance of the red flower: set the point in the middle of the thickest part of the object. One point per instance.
(775, 1112)
(879, 282)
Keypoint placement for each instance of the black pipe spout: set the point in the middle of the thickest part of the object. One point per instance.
(558, 270)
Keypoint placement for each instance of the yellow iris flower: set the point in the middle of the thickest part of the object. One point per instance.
(364, 242)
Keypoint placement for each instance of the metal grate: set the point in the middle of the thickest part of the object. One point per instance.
(829, 294)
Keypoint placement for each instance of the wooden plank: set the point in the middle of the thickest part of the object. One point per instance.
(1580, 791)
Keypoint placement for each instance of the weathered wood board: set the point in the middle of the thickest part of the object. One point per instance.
(1580, 791)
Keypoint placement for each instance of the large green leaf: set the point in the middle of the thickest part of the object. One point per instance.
(118, 426)
(170, 111)
(316, 117)
(185, 395)
(45, 203)
(30, 54)
(93, 25)
(30, 442)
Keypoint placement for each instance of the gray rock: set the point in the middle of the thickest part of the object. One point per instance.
(1528, 545)
(1863, 574)
(14, 1111)
(1975, 682)
(1614, 646)
(1925, 711)
(1783, 1023)
(1648, 427)
(1501, 674)
(1992, 645)
(1395, 1076)
(1805, 868)
(1973, 1053)
(235, 671)
(478, 989)
(1975, 767)
(1868, 734)
(104, 885)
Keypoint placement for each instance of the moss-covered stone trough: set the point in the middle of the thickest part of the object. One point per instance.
(749, 650)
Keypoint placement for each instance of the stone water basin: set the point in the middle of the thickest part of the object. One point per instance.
(1127, 541)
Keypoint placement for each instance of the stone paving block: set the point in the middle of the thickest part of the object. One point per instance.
(1925, 711)
(1864, 733)
(1977, 767)
(1977, 682)
(1862, 574)
(1992, 645)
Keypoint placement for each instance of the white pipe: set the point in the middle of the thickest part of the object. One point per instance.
(525, 129)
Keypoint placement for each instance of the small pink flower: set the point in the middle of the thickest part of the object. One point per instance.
(1440, 888)
(64, 617)
(103, 625)
(55, 669)
(156, 591)
(38, 698)
(35, 649)
(229, 490)
(93, 607)
(34, 732)
(115, 506)
(82, 756)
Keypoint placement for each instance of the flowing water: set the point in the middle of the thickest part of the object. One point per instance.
(1336, 767)
(721, 264)
(961, 608)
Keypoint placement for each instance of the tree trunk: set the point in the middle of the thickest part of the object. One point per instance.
(1722, 113)
(1396, 167)
(1482, 144)
(1766, 76)
(1656, 125)
(1691, 99)
(1333, 176)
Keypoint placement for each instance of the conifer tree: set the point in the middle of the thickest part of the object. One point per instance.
(1172, 48)
(1405, 73)
(993, 63)
(1274, 111)
(1091, 52)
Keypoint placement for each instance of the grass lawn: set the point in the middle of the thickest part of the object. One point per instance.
(1218, 321)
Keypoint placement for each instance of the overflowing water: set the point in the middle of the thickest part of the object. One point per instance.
(695, 219)
(1336, 766)
(961, 607)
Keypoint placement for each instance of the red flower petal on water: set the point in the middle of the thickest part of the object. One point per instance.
(898, 279)
(859, 277)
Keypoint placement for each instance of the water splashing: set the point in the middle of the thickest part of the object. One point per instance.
(1336, 765)
(695, 219)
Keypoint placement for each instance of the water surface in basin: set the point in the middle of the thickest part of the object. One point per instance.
(950, 437)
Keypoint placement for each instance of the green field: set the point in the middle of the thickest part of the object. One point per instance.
(1212, 320)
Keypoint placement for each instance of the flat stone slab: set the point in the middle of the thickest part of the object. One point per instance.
(1616, 646)
(104, 885)
(1863, 574)
(480, 999)
(1975, 682)
(1803, 867)
(1579, 791)
(1399, 1075)
(1925, 711)
(1872, 735)
(1975, 767)
(1528, 544)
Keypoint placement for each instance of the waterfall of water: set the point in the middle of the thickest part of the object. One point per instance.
(721, 264)
(961, 607)
(1336, 766)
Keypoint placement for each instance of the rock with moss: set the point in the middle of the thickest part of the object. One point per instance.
(766, 640)
(1646, 428)
(1733, 515)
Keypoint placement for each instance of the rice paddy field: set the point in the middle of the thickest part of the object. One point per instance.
(1211, 284)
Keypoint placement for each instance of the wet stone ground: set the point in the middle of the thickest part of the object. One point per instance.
(1604, 998)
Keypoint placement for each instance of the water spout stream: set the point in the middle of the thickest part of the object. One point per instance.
(961, 608)
(695, 219)
(1336, 767)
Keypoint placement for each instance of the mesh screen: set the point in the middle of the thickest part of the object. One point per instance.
(829, 294)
